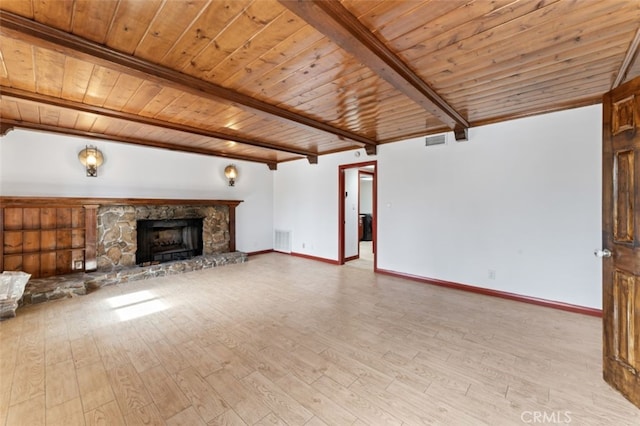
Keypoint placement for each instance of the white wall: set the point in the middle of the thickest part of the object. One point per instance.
(306, 202)
(521, 198)
(44, 164)
(351, 242)
(366, 196)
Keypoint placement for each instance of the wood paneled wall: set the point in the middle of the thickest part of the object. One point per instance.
(44, 241)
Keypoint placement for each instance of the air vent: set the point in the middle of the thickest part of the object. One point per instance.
(436, 140)
(282, 241)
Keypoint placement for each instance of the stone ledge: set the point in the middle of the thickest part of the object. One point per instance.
(44, 289)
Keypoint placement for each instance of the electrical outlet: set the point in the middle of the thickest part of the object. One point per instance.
(492, 274)
(77, 264)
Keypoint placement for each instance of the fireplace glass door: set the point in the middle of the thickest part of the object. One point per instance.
(167, 240)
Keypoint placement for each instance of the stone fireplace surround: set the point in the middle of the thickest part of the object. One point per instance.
(117, 235)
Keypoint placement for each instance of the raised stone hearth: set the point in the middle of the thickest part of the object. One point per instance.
(44, 289)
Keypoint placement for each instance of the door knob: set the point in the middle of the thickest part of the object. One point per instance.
(602, 253)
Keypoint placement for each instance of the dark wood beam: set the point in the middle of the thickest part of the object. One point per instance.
(77, 106)
(461, 134)
(5, 128)
(16, 26)
(371, 150)
(333, 20)
(136, 141)
(633, 54)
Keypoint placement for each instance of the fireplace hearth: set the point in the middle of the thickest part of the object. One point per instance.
(167, 240)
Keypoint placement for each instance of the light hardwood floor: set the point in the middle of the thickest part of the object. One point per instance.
(284, 340)
(365, 260)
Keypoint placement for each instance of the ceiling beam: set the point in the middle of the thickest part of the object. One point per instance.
(631, 56)
(16, 26)
(5, 128)
(371, 150)
(333, 20)
(105, 112)
(12, 124)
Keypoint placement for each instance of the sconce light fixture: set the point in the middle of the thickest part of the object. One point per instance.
(231, 173)
(91, 158)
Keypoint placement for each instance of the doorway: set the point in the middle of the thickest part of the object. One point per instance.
(357, 218)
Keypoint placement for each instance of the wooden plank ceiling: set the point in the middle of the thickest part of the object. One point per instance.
(273, 81)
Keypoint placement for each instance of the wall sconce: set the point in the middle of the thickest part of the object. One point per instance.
(91, 158)
(231, 173)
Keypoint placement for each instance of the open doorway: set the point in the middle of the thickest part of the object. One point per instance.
(357, 214)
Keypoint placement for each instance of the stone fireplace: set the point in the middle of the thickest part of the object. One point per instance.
(118, 240)
(97, 238)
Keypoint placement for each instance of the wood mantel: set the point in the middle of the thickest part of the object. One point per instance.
(90, 206)
(76, 201)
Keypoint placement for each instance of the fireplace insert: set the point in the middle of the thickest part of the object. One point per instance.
(166, 240)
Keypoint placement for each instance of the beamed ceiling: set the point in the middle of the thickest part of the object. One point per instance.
(272, 81)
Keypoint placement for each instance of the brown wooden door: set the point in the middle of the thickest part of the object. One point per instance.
(621, 236)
